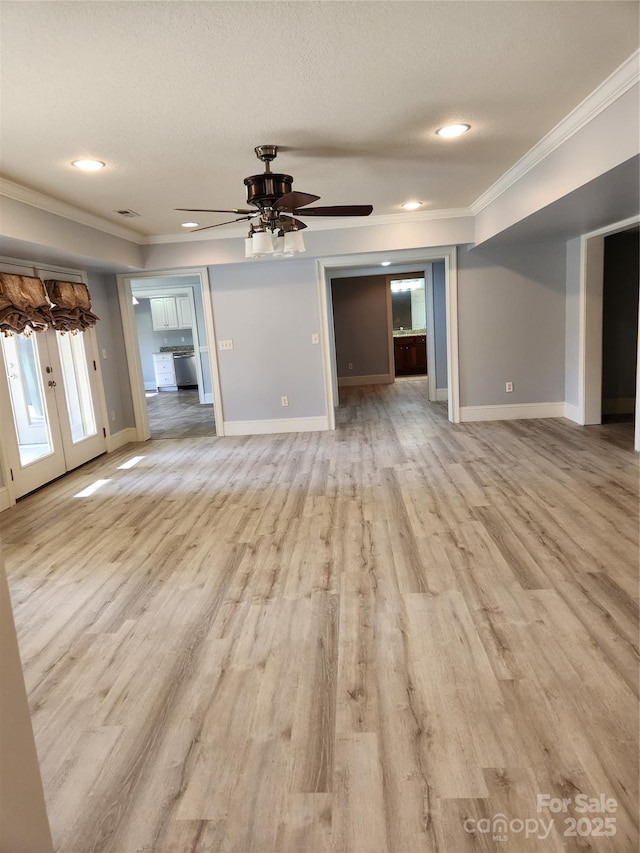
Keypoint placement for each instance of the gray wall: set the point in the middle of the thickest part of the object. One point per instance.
(440, 322)
(115, 373)
(572, 323)
(360, 315)
(620, 317)
(270, 311)
(511, 312)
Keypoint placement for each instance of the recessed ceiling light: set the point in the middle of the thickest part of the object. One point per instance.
(88, 165)
(190, 224)
(452, 130)
(412, 205)
(385, 264)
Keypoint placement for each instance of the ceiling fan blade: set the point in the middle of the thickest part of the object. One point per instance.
(294, 200)
(203, 210)
(218, 224)
(337, 210)
(299, 224)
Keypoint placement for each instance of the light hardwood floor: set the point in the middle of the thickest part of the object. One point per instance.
(351, 642)
(179, 414)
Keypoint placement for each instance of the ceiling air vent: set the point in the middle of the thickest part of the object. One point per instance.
(128, 213)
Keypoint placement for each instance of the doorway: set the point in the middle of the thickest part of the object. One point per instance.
(409, 324)
(168, 328)
(590, 340)
(620, 326)
(405, 262)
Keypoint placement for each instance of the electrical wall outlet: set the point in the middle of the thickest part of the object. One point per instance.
(350, 366)
(113, 416)
(284, 401)
(104, 353)
(225, 344)
(166, 340)
(508, 387)
(182, 340)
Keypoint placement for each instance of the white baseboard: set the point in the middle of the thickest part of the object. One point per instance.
(208, 398)
(572, 413)
(5, 501)
(517, 411)
(375, 379)
(442, 395)
(276, 425)
(619, 406)
(124, 436)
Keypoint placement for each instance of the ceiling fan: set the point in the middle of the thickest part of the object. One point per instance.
(277, 207)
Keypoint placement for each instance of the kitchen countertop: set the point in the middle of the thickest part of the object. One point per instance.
(178, 348)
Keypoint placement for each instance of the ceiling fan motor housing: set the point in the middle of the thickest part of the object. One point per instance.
(263, 190)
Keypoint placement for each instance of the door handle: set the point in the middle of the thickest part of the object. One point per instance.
(49, 369)
(51, 383)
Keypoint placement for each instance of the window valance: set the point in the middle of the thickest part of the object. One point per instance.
(24, 305)
(71, 305)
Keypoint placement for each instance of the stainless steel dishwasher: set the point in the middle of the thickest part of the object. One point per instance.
(184, 364)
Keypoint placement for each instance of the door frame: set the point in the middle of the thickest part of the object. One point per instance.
(326, 268)
(7, 493)
(132, 350)
(590, 328)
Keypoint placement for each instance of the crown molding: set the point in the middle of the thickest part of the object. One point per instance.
(17, 192)
(322, 225)
(622, 79)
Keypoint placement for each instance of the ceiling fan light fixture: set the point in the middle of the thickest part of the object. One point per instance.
(450, 131)
(412, 205)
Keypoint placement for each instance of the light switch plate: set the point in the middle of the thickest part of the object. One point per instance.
(225, 344)
(315, 339)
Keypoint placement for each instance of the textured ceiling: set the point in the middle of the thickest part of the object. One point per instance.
(175, 95)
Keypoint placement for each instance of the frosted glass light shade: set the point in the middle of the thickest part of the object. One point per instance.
(262, 243)
(293, 242)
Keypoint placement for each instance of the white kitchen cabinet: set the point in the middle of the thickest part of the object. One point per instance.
(164, 371)
(183, 307)
(164, 313)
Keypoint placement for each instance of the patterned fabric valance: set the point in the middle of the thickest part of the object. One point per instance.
(71, 305)
(24, 306)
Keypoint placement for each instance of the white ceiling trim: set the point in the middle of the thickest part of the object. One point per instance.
(622, 79)
(323, 225)
(9, 189)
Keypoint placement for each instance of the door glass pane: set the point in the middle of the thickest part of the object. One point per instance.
(27, 397)
(75, 375)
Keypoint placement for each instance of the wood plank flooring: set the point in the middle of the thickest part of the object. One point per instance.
(374, 640)
(179, 414)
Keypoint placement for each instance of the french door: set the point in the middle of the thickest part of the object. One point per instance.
(53, 424)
